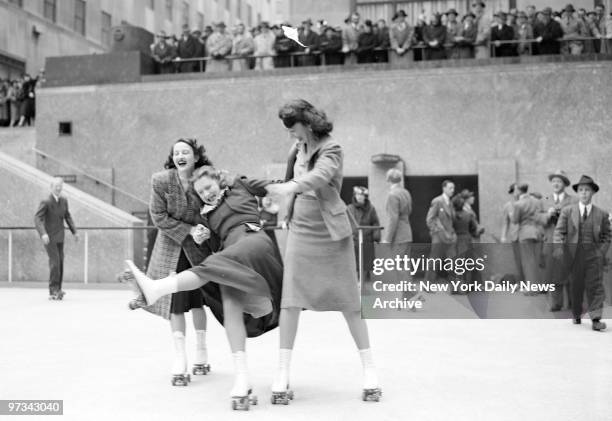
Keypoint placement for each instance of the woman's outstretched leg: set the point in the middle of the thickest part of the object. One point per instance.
(153, 290)
(288, 324)
(359, 331)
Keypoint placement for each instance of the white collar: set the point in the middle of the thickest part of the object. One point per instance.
(57, 198)
(559, 196)
(588, 207)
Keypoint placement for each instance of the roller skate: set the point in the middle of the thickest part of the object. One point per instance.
(201, 366)
(241, 394)
(145, 285)
(60, 295)
(371, 390)
(281, 393)
(180, 377)
(52, 297)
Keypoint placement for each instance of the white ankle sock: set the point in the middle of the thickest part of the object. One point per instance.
(367, 359)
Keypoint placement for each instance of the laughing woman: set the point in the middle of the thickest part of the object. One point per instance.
(247, 269)
(174, 210)
(319, 259)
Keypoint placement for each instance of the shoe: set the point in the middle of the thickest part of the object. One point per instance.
(577, 321)
(555, 308)
(598, 325)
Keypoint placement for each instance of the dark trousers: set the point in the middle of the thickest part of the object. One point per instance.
(56, 266)
(587, 277)
(440, 251)
(558, 296)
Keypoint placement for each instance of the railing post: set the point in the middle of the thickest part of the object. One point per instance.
(360, 258)
(85, 257)
(10, 256)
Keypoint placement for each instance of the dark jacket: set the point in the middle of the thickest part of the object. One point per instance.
(550, 33)
(50, 217)
(506, 33)
(365, 215)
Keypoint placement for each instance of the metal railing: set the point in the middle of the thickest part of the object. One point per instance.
(114, 189)
(86, 230)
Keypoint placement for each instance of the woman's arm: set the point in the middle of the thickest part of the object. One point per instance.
(326, 166)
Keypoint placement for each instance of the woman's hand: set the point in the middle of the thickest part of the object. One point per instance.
(282, 189)
(200, 233)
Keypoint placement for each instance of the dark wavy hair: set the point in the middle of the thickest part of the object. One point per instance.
(302, 111)
(199, 152)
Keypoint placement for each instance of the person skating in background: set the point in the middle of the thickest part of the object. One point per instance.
(49, 222)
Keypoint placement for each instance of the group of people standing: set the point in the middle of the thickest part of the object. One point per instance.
(560, 239)
(211, 250)
(18, 101)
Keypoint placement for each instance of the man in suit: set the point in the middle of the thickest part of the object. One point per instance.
(350, 36)
(502, 32)
(509, 232)
(525, 214)
(49, 221)
(582, 238)
(549, 216)
(440, 223)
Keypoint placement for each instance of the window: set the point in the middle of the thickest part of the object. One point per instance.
(79, 16)
(18, 3)
(152, 4)
(169, 10)
(106, 29)
(201, 21)
(65, 128)
(49, 10)
(185, 13)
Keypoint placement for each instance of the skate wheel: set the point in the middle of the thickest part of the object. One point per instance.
(364, 396)
(234, 405)
(290, 394)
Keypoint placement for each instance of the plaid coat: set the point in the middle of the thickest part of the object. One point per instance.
(173, 212)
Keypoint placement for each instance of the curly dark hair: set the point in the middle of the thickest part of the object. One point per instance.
(199, 153)
(302, 111)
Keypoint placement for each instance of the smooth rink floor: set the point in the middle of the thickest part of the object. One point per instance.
(109, 363)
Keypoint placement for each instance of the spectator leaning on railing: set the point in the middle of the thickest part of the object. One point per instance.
(434, 36)
(163, 53)
(264, 46)
(572, 28)
(219, 46)
(464, 42)
(484, 31)
(283, 47)
(187, 49)
(366, 43)
(547, 32)
(243, 46)
(501, 32)
(330, 45)
(401, 36)
(350, 37)
(383, 41)
(453, 27)
(524, 32)
(310, 40)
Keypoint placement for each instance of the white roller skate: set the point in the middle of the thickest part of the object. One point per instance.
(371, 389)
(281, 393)
(180, 377)
(241, 394)
(201, 366)
(150, 289)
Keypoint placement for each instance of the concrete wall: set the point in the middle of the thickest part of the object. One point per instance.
(22, 189)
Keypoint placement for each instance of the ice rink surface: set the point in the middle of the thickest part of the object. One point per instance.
(108, 363)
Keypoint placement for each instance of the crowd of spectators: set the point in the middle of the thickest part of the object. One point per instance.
(435, 37)
(18, 100)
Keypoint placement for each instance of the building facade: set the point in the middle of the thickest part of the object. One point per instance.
(31, 30)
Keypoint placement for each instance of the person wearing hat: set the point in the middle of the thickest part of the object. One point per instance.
(163, 53)
(582, 239)
(439, 220)
(383, 41)
(330, 44)
(525, 214)
(311, 40)
(483, 36)
(549, 216)
(200, 50)
(547, 32)
(434, 36)
(366, 42)
(572, 28)
(509, 233)
(524, 32)
(264, 48)
(501, 32)
(401, 37)
(283, 47)
(466, 38)
(218, 46)
(187, 48)
(453, 27)
(350, 36)
(365, 215)
(243, 46)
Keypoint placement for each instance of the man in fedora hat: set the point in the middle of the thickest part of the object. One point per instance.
(551, 209)
(163, 53)
(572, 28)
(582, 239)
(218, 46)
(501, 32)
(547, 32)
(509, 232)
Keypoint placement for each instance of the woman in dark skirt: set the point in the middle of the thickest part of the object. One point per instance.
(365, 215)
(27, 110)
(319, 257)
(245, 273)
(174, 210)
